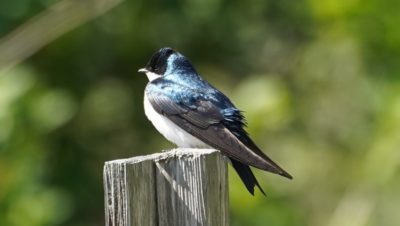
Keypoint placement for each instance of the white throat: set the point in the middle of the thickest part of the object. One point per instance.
(151, 75)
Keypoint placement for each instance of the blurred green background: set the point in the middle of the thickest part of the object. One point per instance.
(319, 82)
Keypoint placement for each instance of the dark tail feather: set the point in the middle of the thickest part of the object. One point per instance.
(246, 175)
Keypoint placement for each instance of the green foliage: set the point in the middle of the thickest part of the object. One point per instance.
(318, 81)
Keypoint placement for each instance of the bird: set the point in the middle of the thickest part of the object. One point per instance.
(191, 113)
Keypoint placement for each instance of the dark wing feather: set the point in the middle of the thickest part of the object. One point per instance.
(203, 116)
(205, 122)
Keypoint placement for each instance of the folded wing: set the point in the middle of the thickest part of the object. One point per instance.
(204, 120)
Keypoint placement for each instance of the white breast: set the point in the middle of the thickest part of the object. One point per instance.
(170, 130)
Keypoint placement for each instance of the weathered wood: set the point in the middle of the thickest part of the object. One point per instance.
(176, 188)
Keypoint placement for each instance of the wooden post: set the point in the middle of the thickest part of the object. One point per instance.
(176, 188)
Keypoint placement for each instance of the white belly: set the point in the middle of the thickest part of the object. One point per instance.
(171, 131)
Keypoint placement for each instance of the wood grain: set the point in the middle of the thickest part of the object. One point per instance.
(174, 188)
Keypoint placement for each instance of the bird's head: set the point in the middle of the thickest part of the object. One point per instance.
(166, 61)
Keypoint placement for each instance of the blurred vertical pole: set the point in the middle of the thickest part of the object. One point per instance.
(176, 188)
(47, 26)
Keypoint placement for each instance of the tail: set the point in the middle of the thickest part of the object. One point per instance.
(246, 175)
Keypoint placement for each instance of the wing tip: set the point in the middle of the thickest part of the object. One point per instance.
(285, 174)
(272, 167)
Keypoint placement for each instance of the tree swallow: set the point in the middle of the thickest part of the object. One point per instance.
(190, 112)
